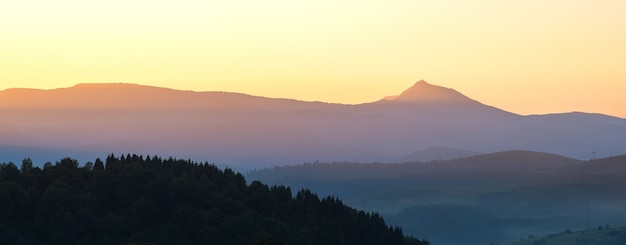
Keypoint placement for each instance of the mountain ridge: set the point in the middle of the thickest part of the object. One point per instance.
(437, 153)
(237, 128)
(425, 92)
(412, 94)
(434, 94)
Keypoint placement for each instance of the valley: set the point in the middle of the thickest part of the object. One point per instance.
(482, 199)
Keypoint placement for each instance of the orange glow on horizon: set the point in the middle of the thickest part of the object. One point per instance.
(529, 57)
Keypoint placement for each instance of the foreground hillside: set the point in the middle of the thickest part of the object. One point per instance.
(151, 200)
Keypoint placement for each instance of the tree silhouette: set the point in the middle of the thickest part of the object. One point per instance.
(137, 200)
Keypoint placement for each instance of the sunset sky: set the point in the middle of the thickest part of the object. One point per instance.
(528, 57)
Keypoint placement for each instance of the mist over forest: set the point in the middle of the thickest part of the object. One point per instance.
(429, 163)
(489, 198)
(286, 122)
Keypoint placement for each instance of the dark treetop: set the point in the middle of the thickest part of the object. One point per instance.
(132, 199)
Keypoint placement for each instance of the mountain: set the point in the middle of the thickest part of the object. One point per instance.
(423, 92)
(350, 179)
(249, 131)
(517, 161)
(596, 177)
(601, 235)
(437, 153)
(615, 165)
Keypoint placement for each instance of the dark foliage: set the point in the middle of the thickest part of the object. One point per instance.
(137, 200)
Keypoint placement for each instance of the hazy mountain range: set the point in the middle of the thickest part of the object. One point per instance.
(490, 198)
(249, 131)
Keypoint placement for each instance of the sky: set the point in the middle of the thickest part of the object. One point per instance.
(527, 57)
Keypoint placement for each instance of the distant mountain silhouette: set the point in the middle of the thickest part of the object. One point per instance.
(517, 162)
(427, 93)
(438, 153)
(615, 165)
(239, 129)
(122, 96)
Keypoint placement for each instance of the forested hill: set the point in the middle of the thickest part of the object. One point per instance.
(132, 199)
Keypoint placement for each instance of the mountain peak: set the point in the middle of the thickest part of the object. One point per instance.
(423, 91)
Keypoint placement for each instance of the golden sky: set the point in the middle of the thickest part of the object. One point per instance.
(528, 57)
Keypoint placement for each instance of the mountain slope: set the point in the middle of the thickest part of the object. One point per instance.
(511, 161)
(243, 130)
(603, 235)
(437, 154)
(423, 92)
(350, 180)
(132, 199)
